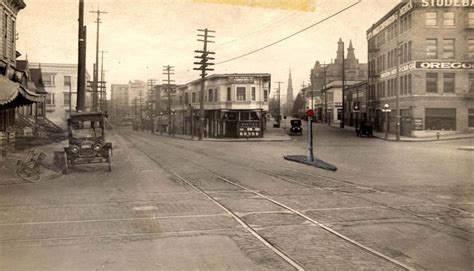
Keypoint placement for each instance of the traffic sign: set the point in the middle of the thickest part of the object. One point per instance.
(310, 113)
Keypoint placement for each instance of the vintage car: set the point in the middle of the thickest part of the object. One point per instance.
(295, 128)
(366, 128)
(87, 142)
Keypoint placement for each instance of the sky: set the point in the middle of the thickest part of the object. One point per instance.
(142, 36)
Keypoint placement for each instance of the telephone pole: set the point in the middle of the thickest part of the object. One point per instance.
(304, 97)
(397, 80)
(81, 62)
(203, 67)
(279, 106)
(343, 88)
(168, 70)
(95, 89)
(150, 102)
(102, 86)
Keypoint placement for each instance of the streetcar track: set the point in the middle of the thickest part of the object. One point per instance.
(334, 190)
(250, 229)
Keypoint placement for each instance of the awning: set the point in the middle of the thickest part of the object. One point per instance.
(12, 94)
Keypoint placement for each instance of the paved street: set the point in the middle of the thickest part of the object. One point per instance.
(175, 204)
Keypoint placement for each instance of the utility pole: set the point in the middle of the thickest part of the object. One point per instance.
(203, 67)
(150, 103)
(168, 70)
(81, 61)
(304, 97)
(279, 106)
(102, 86)
(95, 89)
(325, 95)
(343, 87)
(397, 81)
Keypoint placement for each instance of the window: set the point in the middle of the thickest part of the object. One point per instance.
(50, 98)
(448, 48)
(409, 51)
(448, 18)
(471, 117)
(440, 118)
(265, 96)
(409, 84)
(215, 94)
(229, 94)
(67, 98)
(186, 98)
(210, 95)
(471, 83)
(470, 48)
(431, 48)
(13, 38)
(253, 94)
(193, 98)
(180, 99)
(431, 18)
(241, 93)
(402, 85)
(67, 83)
(432, 82)
(448, 82)
(5, 34)
(48, 80)
(470, 19)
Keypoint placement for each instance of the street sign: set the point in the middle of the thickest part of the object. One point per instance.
(310, 113)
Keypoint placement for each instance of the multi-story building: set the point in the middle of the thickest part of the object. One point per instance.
(121, 110)
(330, 105)
(14, 91)
(235, 105)
(423, 52)
(60, 82)
(323, 74)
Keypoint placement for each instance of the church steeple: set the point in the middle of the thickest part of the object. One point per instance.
(340, 51)
(350, 51)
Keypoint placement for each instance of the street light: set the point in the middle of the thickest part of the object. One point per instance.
(161, 123)
(386, 109)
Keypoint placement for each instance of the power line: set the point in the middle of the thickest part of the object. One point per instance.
(289, 36)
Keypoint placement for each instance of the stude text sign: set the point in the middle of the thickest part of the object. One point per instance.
(447, 3)
(241, 79)
(444, 65)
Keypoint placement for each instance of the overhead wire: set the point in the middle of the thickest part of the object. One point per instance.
(291, 35)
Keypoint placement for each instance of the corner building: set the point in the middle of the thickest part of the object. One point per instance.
(435, 59)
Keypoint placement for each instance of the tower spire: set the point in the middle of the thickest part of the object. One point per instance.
(350, 51)
(289, 95)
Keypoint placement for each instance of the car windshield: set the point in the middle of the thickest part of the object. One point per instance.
(89, 129)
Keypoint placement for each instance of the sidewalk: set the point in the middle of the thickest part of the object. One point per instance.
(8, 164)
(271, 135)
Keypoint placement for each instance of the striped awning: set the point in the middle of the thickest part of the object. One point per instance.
(12, 94)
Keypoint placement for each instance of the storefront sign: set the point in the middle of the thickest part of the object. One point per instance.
(417, 124)
(403, 68)
(444, 65)
(390, 20)
(447, 3)
(241, 80)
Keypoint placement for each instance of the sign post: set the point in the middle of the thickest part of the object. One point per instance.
(310, 115)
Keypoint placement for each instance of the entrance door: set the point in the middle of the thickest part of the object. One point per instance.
(231, 129)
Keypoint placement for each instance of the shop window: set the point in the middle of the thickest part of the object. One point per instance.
(471, 83)
(471, 117)
(448, 48)
(448, 82)
(253, 94)
(431, 18)
(241, 93)
(432, 82)
(431, 48)
(448, 18)
(470, 48)
(440, 118)
(229, 94)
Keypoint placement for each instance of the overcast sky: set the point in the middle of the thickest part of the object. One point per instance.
(141, 36)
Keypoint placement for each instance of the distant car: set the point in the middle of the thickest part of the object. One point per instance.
(296, 127)
(366, 128)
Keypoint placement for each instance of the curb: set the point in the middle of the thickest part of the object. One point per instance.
(423, 140)
(223, 140)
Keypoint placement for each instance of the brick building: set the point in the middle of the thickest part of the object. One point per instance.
(435, 60)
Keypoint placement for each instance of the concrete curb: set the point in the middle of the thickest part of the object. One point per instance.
(225, 140)
(423, 140)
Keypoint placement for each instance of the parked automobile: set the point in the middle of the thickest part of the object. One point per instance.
(366, 128)
(87, 143)
(296, 128)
